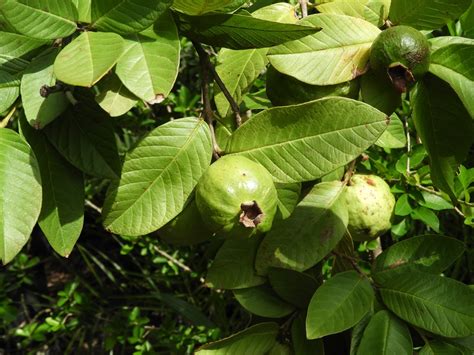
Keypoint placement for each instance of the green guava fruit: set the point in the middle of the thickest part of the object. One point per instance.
(370, 204)
(187, 228)
(236, 197)
(403, 54)
(285, 90)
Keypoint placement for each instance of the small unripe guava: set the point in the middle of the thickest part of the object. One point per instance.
(402, 53)
(285, 90)
(236, 197)
(370, 204)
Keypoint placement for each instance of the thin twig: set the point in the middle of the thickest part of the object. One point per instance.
(93, 206)
(304, 8)
(407, 131)
(176, 262)
(4, 122)
(437, 193)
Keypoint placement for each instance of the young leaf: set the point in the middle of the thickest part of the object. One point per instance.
(88, 58)
(437, 304)
(62, 211)
(233, 266)
(47, 19)
(21, 192)
(158, 176)
(304, 142)
(301, 345)
(263, 302)
(339, 304)
(126, 16)
(240, 31)
(299, 242)
(114, 97)
(394, 136)
(260, 338)
(385, 335)
(292, 286)
(336, 54)
(150, 62)
(9, 90)
(199, 7)
(41, 110)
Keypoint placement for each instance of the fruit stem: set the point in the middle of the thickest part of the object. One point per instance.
(304, 7)
(349, 172)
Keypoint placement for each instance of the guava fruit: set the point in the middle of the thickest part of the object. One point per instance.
(236, 197)
(285, 90)
(402, 53)
(187, 228)
(370, 204)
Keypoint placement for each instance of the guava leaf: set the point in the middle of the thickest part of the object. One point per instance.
(385, 335)
(304, 142)
(288, 197)
(9, 90)
(436, 346)
(301, 345)
(426, 14)
(62, 212)
(374, 12)
(114, 97)
(158, 176)
(199, 7)
(150, 62)
(85, 60)
(444, 306)
(379, 93)
(445, 128)
(292, 286)
(394, 136)
(455, 65)
(20, 184)
(315, 227)
(339, 304)
(260, 338)
(83, 10)
(338, 53)
(262, 301)
(45, 19)
(126, 16)
(41, 110)
(233, 266)
(443, 41)
(467, 22)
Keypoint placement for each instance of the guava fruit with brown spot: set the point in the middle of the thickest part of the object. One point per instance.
(236, 197)
(370, 204)
(403, 54)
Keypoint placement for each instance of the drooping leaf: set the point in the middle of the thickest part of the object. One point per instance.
(445, 128)
(199, 7)
(46, 19)
(292, 286)
(233, 266)
(150, 62)
(455, 65)
(41, 110)
(288, 197)
(426, 14)
(301, 345)
(385, 335)
(437, 304)
(238, 31)
(88, 58)
(62, 211)
(126, 16)
(338, 53)
(379, 93)
(158, 176)
(9, 90)
(338, 304)
(304, 142)
(20, 188)
(317, 224)
(114, 97)
(259, 339)
(262, 301)
(394, 136)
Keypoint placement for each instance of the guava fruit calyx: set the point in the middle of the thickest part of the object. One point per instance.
(251, 215)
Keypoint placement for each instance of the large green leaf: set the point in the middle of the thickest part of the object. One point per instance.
(126, 16)
(445, 128)
(304, 142)
(292, 286)
(238, 31)
(149, 65)
(455, 65)
(83, 10)
(315, 227)
(9, 90)
(233, 266)
(255, 340)
(114, 97)
(262, 301)
(385, 335)
(339, 304)
(437, 304)
(426, 14)
(13, 47)
(20, 188)
(41, 110)
(394, 136)
(199, 7)
(428, 253)
(336, 54)
(84, 135)
(43, 19)
(62, 211)
(88, 58)
(288, 197)
(301, 345)
(373, 11)
(158, 176)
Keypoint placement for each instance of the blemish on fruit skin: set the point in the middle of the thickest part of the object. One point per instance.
(370, 182)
